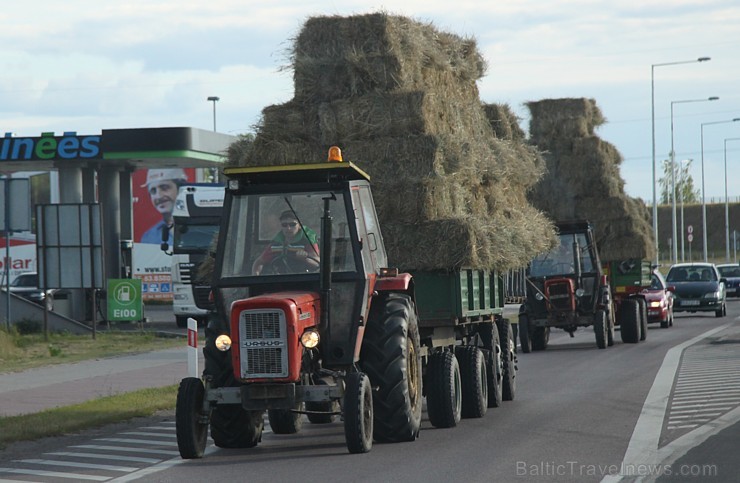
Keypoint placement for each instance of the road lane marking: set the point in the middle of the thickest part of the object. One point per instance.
(87, 466)
(127, 449)
(106, 456)
(57, 474)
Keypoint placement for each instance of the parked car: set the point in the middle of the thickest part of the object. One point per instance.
(659, 298)
(731, 271)
(698, 288)
(26, 285)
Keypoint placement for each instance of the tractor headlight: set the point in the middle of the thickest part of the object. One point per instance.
(539, 296)
(310, 338)
(223, 342)
(580, 292)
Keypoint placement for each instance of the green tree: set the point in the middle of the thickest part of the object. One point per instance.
(685, 189)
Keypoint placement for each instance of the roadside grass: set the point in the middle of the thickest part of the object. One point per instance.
(91, 414)
(19, 352)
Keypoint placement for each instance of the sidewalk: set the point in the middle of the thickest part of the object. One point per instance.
(49, 387)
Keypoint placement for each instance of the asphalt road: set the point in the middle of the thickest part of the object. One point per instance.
(580, 414)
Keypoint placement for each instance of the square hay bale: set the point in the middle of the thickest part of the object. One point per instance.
(563, 118)
(504, 122)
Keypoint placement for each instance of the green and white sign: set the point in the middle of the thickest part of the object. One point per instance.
(124, 299)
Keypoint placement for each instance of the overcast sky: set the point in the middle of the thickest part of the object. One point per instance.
(88, 65)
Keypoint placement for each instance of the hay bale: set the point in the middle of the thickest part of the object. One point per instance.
(583, 179)
(400, 99)
(504, 122)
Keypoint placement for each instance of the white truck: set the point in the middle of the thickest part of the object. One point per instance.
(197, 217)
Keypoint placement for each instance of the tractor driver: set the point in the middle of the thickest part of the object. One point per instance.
(294, 249)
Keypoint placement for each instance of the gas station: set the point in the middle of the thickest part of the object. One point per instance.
(98, 169)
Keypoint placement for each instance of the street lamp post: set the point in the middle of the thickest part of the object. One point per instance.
(683, 231)
(727, 207)
(214, 99)
(703, 193)
(673, 178)
(652, 106)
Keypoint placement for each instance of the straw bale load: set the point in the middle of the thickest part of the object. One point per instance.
(583, 179)
(450, 176)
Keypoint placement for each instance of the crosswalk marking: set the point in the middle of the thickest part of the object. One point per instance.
(106, 456)
(89, 466)
(56, 474)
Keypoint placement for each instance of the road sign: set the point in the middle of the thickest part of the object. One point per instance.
(690, 229)
(690, 238)
(124, 299)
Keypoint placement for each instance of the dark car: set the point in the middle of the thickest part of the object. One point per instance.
(659, 299)
(731, 272)
(26, 285)
(698, 288)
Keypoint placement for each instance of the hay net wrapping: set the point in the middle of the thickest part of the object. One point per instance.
(450, 176)
(583, 179)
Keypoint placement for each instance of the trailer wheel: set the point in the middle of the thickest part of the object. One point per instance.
(643, 318)
(285, 421)
(540, 338)
(234, 427)
(508, 359)
(444, 398)
(358, 413)
(524, 336)
(391, 358)
(191, 424)
(494, 363)
(474, 381)
(629, 321)
(601, 329)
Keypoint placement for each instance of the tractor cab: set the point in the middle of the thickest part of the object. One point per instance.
(305, 232)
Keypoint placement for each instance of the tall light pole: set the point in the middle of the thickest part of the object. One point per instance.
(214, 99)
(727, 207)
(703, 194)
(681, 191)
(673, 178)
(652, 105)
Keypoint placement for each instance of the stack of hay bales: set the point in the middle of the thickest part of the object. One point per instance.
(400, 98)
(583, 179)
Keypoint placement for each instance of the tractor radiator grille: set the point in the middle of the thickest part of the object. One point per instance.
(559, 295)
(263, 344)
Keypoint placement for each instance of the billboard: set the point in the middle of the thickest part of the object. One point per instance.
(154, 192)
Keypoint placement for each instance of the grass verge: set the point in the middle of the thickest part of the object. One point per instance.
(91, 414)
(19, 352)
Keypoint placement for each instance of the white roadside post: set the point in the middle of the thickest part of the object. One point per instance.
(193, 347)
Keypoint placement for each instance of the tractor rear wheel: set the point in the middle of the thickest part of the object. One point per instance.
(601, 329)
(191, 425)
(358, 413)
(540, 338)
(444, 393)
(391, 358)
(643, 318)
(524, 335)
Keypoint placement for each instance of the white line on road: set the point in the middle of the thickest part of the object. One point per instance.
(106, 456)
(89, 466)
(127, 449)
(58, 474)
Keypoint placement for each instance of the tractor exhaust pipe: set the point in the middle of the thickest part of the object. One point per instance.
(325, 262)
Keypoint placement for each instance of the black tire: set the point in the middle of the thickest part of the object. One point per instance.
(629, 321)
(643, 318)
(181, 321)
(524, 335)
(285, 421)
(191, 431)
(358, 413)
(489, 335)
(721, 312)
(234, 427)
(600, 329)
(474, 381)
(508, 359)
(444, 393)
(540, 338)
(391, 358)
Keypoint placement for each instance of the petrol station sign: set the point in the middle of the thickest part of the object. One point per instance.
(124, 299)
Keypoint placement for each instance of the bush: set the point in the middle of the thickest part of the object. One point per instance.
(28, 326)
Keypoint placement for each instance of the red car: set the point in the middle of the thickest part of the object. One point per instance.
(659, 298)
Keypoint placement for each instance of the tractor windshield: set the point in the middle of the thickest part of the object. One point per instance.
(280, 234)
(561, 260)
